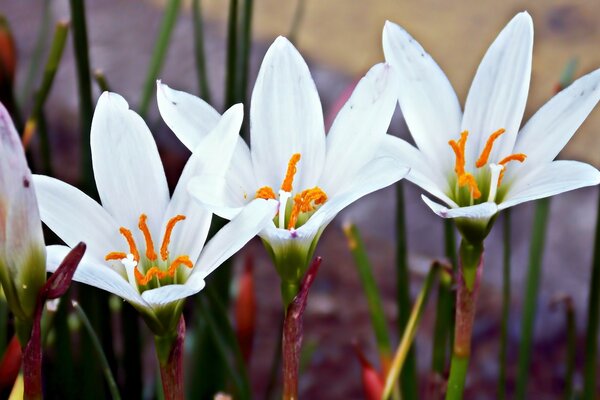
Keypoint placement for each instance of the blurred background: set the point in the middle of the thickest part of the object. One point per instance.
(341, 40)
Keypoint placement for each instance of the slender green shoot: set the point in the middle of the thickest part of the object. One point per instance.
(410, 331)
(244, 51)
(505, 306)
(199, 52)
(232, 54)
(159, 53)
(101, 81)
(532, 284)
(110, 380)
(299, 13)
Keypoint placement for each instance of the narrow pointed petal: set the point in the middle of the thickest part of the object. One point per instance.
(549, 130)
(212, 193)
(127, 167)
(480, 211)
(233, 236)
(286, 118)
(74, 217)
(499, 90)
(428, 101)
(421, 173)
(549, 180)
(212, 156)
(360, 126)
(188, 116)
(93, 273)
(379, 173)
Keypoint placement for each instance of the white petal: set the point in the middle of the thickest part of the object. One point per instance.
(479, 211)
(75, 217)
(379, 173)
(233, 236)
(95, 274)
(286, 118)
(549, 130)
(212, 156)
(127, 167)
(499, 90)
(359, 127)
(210, 192)
(421, 173)
(188, 116)
(170, 293)
(549, 180)
(428, 101)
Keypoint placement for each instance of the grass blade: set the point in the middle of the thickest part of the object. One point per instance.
(199, 51)
(232, 54)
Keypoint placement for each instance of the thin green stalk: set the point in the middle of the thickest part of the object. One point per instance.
(593, 321)
(409, 333)
(110, 380)
(232, 53)
(244, 59)
(365, 273)
(84, 85)
(297, 21)
(505, 306)
(199, 51)
(531, 295)
(158, 55)
(101, 81)
(408, 378)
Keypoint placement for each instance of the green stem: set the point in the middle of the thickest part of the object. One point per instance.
(365, 273)
(505, 306)
(110, 380)
(199, 51)
(84, 85)
(408, 378)
(593, 321)
(409, 333)
(159, 52)
(101, 81)
(532, 285)
(471, 267)
(232, 53)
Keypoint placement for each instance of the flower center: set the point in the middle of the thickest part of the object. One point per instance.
(157, 271)
(497, 170)
(303, 202)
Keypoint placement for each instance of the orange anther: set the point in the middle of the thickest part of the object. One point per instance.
(520, 157)
(265, 192)
(459, 150)
(164, 251)
(286, 186)
(152, 272)
(150, 253)
(306, 201)
(132, 247)
(115, 255)
(485, 153)
(469, 180)
(181, 260)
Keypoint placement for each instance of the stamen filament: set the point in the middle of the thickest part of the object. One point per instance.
(469, 180)
(150, 253)
(164, 248)
(152, 273)
(487, 150)
(286, 186)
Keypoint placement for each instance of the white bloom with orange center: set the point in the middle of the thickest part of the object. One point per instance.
(478, 162)
(290, 159)
(142, 246)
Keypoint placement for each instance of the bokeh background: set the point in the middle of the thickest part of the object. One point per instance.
(341, 39)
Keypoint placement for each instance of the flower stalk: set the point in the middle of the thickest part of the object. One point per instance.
(471, 267)
(293, 333)
(169, 349)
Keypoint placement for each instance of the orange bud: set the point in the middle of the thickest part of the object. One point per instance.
(373, 383)
(9, 367)
(245, 310)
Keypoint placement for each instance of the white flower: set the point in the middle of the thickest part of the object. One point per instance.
(141, 246)
(290, 159)
(478, 163)
(22, 252)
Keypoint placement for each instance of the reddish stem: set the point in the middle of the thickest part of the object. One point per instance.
(466, 302)
(170, 359)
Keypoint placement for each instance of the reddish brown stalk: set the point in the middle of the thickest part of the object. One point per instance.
(170, 359)
(293, 332)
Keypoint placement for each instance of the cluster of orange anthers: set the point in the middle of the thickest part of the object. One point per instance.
(154, 271)
(304, 201)
(467, 179)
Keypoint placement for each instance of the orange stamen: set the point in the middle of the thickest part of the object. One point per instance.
(487, 150)
(469, 180)
(164, 252)
(459, 150)
(520, 157)
(181, 260)
(132, 247)
(306, 201)
(286, 186)
(115, 255)
(150, 253)
(152, 272)
(266, 193)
